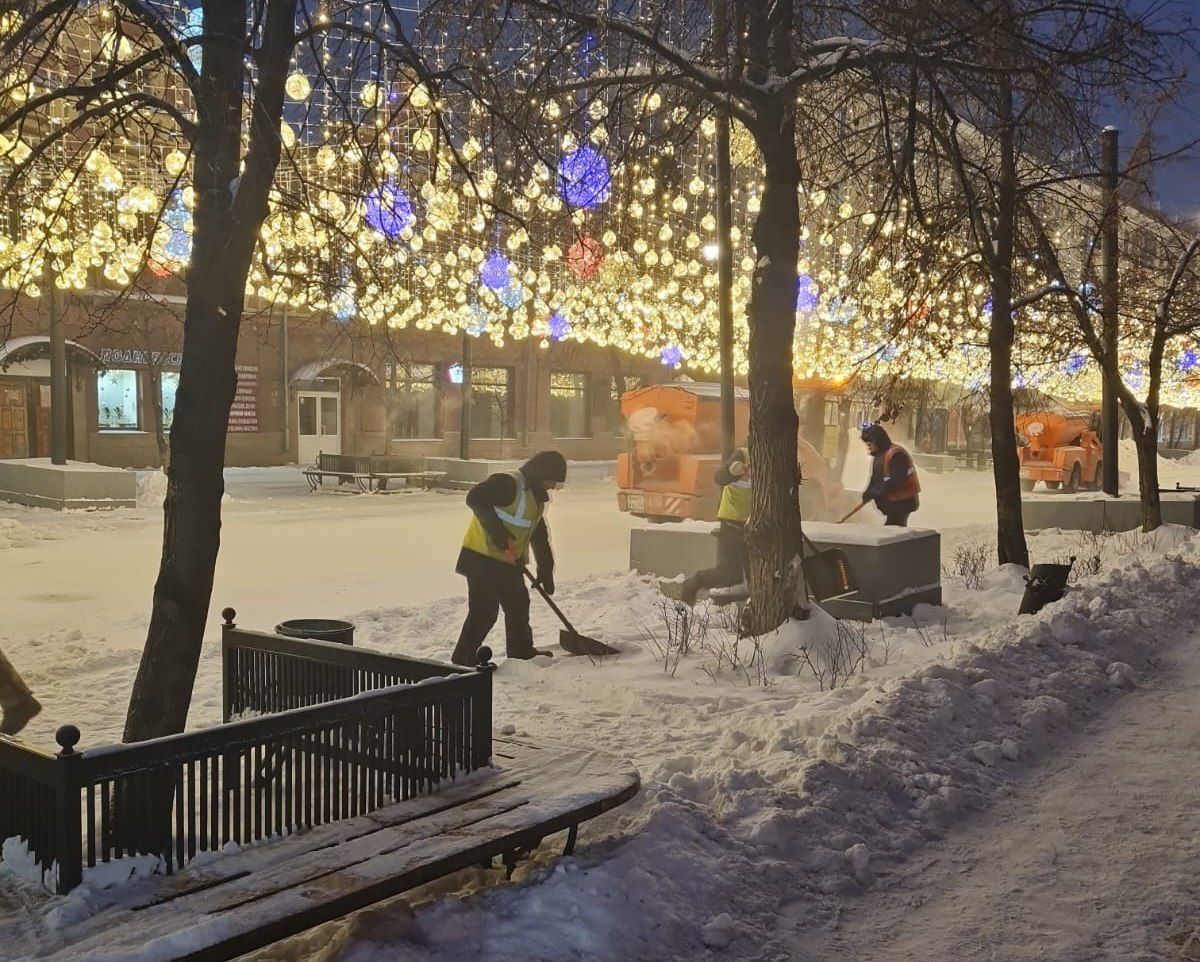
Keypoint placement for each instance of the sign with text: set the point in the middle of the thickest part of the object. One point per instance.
(243, 416)
(125, 356)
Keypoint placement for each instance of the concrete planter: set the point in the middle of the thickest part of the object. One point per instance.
(38, 483)
(895, 568)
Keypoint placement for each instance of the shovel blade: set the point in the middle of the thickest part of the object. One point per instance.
(574, 643)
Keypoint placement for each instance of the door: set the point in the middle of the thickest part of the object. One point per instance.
(318, 424)
(14, 420)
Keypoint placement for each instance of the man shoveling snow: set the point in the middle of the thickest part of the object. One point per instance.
(509, 519)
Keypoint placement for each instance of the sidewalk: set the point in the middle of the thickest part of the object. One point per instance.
(1095, 857)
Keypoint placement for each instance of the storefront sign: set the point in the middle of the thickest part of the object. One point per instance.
(126, 357)
(243, 416)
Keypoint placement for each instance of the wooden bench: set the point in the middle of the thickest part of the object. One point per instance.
(343, 775)
(242, 902)
(368, 472)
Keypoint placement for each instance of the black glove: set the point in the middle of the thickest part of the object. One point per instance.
(546, 581)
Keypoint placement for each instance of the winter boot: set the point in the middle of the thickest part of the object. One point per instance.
(689, 590)
(531, 653)
(16, 699)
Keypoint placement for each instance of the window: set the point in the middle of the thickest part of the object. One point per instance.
(412, 400)
(491, 402)
(570, 416)
(170, 384)
(117, 400)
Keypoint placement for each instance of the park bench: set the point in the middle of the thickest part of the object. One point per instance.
(978, 459)
(360, 776)
(368, 472)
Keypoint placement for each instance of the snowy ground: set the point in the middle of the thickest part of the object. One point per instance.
(768, 804)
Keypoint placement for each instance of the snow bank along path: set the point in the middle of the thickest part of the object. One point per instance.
(786, 805)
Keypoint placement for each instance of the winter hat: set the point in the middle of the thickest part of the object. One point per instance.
(875, 434)
(546, 466)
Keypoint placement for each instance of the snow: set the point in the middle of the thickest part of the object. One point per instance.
(769, 806)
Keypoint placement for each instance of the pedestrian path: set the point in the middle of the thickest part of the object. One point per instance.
(1096, 856)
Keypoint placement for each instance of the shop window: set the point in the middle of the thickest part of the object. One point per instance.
(570, 414)
(169, 385)
(412, 400)
(491, 402)
(117, 400)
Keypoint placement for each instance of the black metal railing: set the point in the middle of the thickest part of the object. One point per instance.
(357, 748)
(265, 673)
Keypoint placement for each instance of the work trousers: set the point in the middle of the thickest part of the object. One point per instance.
(498, 586)
(897, 512)
(732, 560)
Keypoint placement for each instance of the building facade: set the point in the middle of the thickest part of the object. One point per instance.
(307, 385)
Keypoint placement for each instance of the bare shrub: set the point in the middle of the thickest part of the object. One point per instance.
(970, 563)
(835, 663)
(727, 652)
(1089, 555)
(678, 630)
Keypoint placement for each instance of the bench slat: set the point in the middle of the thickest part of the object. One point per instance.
(246, 901)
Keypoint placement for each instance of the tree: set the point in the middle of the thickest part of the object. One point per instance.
(1009, 133)
(1151, 300)
(127, 81)
(778, 55)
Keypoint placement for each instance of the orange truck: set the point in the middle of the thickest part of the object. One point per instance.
(1060, 450)
(675, 449)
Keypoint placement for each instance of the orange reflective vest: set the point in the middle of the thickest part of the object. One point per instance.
(910, 485)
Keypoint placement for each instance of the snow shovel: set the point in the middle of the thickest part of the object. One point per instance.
(851, 513)
(572, 641)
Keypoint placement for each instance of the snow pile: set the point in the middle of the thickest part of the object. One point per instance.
(818, 796)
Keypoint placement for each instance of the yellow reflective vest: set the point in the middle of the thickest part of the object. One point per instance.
(520, 518)
(735, 502)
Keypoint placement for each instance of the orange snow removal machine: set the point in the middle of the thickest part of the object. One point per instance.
(675, 448)
(1060, 450)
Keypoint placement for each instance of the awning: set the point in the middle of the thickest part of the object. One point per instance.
(317, 369)
(36, 347)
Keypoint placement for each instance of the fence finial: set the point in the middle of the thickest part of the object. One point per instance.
(67, 737)
(228, 614)
(483, 658)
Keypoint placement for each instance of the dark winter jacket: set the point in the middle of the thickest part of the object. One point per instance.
(880, 486)
(498, 490)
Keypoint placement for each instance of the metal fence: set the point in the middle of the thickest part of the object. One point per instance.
(341, 732)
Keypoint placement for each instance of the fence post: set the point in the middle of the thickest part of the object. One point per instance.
(481, 736)
(227, 663)
(68, 828)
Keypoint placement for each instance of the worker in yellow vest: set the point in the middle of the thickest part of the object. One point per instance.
(732, 513)
(509, 520)
(16, 700)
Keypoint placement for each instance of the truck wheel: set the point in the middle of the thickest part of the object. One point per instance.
(1027, 484)
(1053, 485)
(1072, 484)
(1098, 480)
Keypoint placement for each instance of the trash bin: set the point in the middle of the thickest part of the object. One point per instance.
(318, 629)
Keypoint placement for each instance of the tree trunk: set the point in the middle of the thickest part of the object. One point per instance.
(230, 209)
(773, 534)
(1145, 438)
(1010, 527)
